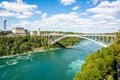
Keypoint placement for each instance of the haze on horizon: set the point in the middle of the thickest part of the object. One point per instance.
(62, 15)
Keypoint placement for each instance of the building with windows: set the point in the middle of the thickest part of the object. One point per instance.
(19, 31)
(35, 33)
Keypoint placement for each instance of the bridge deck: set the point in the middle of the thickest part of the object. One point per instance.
(91, 37)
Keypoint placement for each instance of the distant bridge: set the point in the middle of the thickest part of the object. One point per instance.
(101, 39)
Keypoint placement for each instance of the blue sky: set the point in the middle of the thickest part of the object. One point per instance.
(88, 16)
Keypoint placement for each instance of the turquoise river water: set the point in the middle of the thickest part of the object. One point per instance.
(60, 64)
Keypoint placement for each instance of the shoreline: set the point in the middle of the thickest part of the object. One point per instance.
(31, 52)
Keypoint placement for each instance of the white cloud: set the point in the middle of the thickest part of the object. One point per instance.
(106, 7)
(95, 1)
(102, 17)
(105, 10)
(44, 15)
(38, 12)
(6, 13)
(83, 14)
(75, 8)
(17, 9)
(73, 13)
(17, 15)
(72, 22)
(19, 1)
(67, 2)
(24, 15)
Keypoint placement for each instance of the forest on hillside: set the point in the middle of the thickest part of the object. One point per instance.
(20, 44)
(102, 64)
(24, 44)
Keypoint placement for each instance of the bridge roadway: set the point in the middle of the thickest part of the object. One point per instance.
(91, 37)
(108, 35)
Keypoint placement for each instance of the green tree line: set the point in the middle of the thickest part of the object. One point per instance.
(68, 42)
(23, 44)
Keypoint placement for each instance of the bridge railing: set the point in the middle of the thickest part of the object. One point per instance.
(102, 38)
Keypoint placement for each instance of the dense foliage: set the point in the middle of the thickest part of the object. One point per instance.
(102, 64)
(21, 44)
(68, 42)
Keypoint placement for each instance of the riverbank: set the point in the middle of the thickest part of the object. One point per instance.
(25, 44)
(32, 52)
(35, 50)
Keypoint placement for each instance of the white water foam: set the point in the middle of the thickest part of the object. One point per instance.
(75, 66)
(12, 62)
(2, 66)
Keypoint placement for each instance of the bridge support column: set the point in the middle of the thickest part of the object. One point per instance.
(96, 38)
(107, 39)
(113, 39)
(93, 37)
(99, 38)
(103, 38)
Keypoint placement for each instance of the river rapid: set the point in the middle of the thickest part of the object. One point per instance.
(60, 64)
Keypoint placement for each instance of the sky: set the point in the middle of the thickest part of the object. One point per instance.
(87, 16)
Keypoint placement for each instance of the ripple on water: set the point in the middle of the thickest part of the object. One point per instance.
(2, 66)
(12, 62)
(24, 57)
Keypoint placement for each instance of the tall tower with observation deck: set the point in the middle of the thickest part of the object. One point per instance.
(4, 24)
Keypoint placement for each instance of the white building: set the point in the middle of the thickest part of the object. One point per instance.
(19, 31)
(33, 33)
(38, 33)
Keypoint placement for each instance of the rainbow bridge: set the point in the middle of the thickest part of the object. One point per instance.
(101, 39)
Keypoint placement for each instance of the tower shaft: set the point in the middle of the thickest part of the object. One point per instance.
(4, 24)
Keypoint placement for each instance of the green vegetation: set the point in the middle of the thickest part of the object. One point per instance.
(21, 44)
(2, 33)
(67, 42)
(102, 64)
